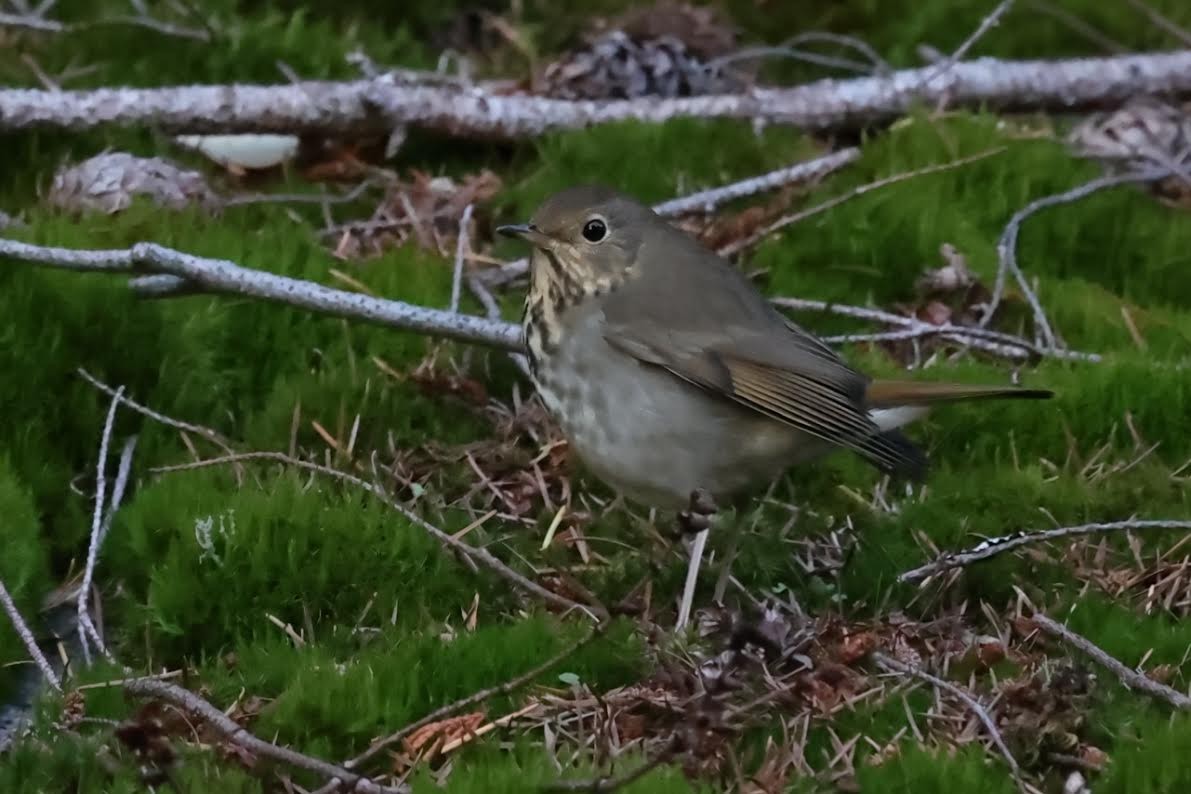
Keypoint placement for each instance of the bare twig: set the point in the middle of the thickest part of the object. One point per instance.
(161, 418)
(22, 630)
(990, 725)
(43, 24)
(460, 254)
(986, 24)
(995, 342)
(122, 473)
(1078, 25)
(1162, 22)
(477, 697)
(995, 546)
(1130, 678)
(1007, 246)
(736, 246)
(232, 732)
(708, 201)
(222, 276)
(380, 104)
(480, 555)
(87, 630)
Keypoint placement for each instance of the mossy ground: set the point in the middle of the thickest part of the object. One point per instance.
(324, 559)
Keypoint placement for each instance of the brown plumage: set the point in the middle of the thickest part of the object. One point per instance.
(669, 371)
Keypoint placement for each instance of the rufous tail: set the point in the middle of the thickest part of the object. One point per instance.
(896, 393)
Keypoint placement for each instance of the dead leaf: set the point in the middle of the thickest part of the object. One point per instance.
(428, 739)
(856, 646)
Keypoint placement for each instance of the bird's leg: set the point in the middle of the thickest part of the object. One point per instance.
(695, 520)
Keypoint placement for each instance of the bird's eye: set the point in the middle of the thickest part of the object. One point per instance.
(595, 230)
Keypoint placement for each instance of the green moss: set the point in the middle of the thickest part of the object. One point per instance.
(920, 770)
(1151, 759)
(336, 566)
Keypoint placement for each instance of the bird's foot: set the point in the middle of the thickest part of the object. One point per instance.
(696, 521)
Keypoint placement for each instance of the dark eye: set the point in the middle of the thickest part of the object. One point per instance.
(594, 230)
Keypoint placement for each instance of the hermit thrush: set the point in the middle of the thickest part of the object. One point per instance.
(668, 371)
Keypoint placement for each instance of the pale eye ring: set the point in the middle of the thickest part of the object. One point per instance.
(595, 230)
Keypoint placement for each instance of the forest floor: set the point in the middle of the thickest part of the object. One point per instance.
(319, 618)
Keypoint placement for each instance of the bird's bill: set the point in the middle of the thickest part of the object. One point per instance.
(527, 232)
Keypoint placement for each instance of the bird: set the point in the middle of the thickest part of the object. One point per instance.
(669, 373)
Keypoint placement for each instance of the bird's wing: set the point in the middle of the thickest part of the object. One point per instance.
(720, 334)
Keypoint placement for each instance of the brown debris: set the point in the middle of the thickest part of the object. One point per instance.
(424, 210)
(429, 739)
(1145, 132)
(948, 295)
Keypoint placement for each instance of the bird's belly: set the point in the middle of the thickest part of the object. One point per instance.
(656, 438)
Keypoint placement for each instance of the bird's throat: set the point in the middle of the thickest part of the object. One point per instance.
(553, 288)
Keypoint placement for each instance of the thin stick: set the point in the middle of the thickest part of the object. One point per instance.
(221, 276)
(232, 732)
(790, 45)
(477, 697)
(86, 626)
(22, 629)
(480, 555)
(1130, 678)
(995, 546)
(161, 418)
(1007, 245)
(118, 489)
(1162, 22)
(707, 201)
(990, 725)
(995, 342)
(986, 24)
(460, 254)
(736, 246)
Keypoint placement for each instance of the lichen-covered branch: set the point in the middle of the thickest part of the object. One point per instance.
(385, 102)
(197, 274)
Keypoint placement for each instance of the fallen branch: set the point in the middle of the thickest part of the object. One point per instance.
(1130, 678)
(381, 104)
(1007, 247)
(476, 697)
(995, 546)
(232, 732)
(195, 273)
(990, 725)
(480, 555)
